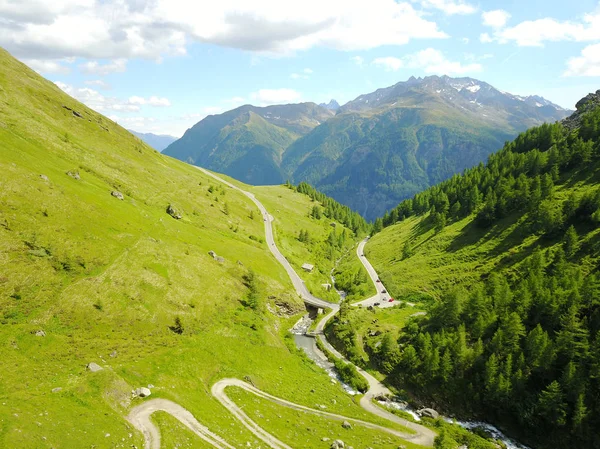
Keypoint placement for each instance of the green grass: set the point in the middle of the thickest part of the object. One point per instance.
(104, 279)
(291, 211)
(360, 332)
(173, 434)
(301, 429)
(463, 254)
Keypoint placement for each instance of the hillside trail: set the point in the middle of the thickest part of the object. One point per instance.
(139, 416)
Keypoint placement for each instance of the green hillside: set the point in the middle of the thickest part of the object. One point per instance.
(86, 276)
(248, 142)
(505, 258)
(372, 161)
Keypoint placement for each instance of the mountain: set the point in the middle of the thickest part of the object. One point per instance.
(332, 105)
(248, 142)
(157, 141)
(385, 146)
(505, 261)
(86, 276)
(373, 151)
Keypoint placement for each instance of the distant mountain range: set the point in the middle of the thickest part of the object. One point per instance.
(374, 151)
(157, 141)
(333, 105)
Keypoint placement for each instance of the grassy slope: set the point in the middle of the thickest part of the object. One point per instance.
(463, 253)
(105, 278)
(291, 211)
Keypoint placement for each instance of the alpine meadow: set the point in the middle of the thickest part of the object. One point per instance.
(299, 225)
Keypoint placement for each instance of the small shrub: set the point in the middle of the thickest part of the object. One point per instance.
(177, 327)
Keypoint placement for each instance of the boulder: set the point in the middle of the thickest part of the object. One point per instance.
(220, 259)
(117, 195)
(74, 175)
(338, 444)
(44, 178)
(94, 367)
(346, 425)
(212, 254)
(56, 390)
(40, 333)
(173, 212)
(142, 392)
(429, 413)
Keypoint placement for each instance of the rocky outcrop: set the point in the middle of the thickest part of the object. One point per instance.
(44, 178)
(142, 392)
(588, 103)
(94, 367)
(74, 175)
(174, 212)
(428, 413)
(216, 257)
(40, 333)
(118, 195)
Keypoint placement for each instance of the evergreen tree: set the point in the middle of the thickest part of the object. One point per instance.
(571, 241)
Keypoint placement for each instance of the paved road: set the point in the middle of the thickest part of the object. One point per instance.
(382, 298)
(139, 416)
(296, 280)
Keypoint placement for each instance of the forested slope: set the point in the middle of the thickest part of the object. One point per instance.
(507, 254)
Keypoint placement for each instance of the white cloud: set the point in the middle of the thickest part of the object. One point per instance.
(94, 67)
(100, 83)
(95, 100)
(266, 97)
(449, 7)
(389, 63)
(47, 66)
(465, 40)
(124, 29)
(496, 18)
(98, 102)
(429, 60)
(534, 33)
(358, 60)
(588, 64)
(151, 101)
(485, 38)
(308, 71)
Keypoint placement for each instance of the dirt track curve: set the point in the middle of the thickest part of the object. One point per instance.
(139, 416)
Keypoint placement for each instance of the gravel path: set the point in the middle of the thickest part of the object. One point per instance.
(139, 416)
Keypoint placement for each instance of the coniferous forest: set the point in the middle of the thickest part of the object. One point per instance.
(520, 349)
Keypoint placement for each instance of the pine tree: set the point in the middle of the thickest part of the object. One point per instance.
(571, 241)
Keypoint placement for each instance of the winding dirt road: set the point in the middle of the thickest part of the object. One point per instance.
(139, 416)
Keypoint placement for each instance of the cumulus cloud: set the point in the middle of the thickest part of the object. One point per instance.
(429, 60)
(389, 63)
(266, 97)
(94, 67)
(151, 101)
(98, 102)
(95, 100)
(47, 66)
(534, 33)
(123, 29)
(496, 18)
(449, 7)
(587, 64)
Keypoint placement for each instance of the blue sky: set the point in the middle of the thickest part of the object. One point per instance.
(162, 65)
